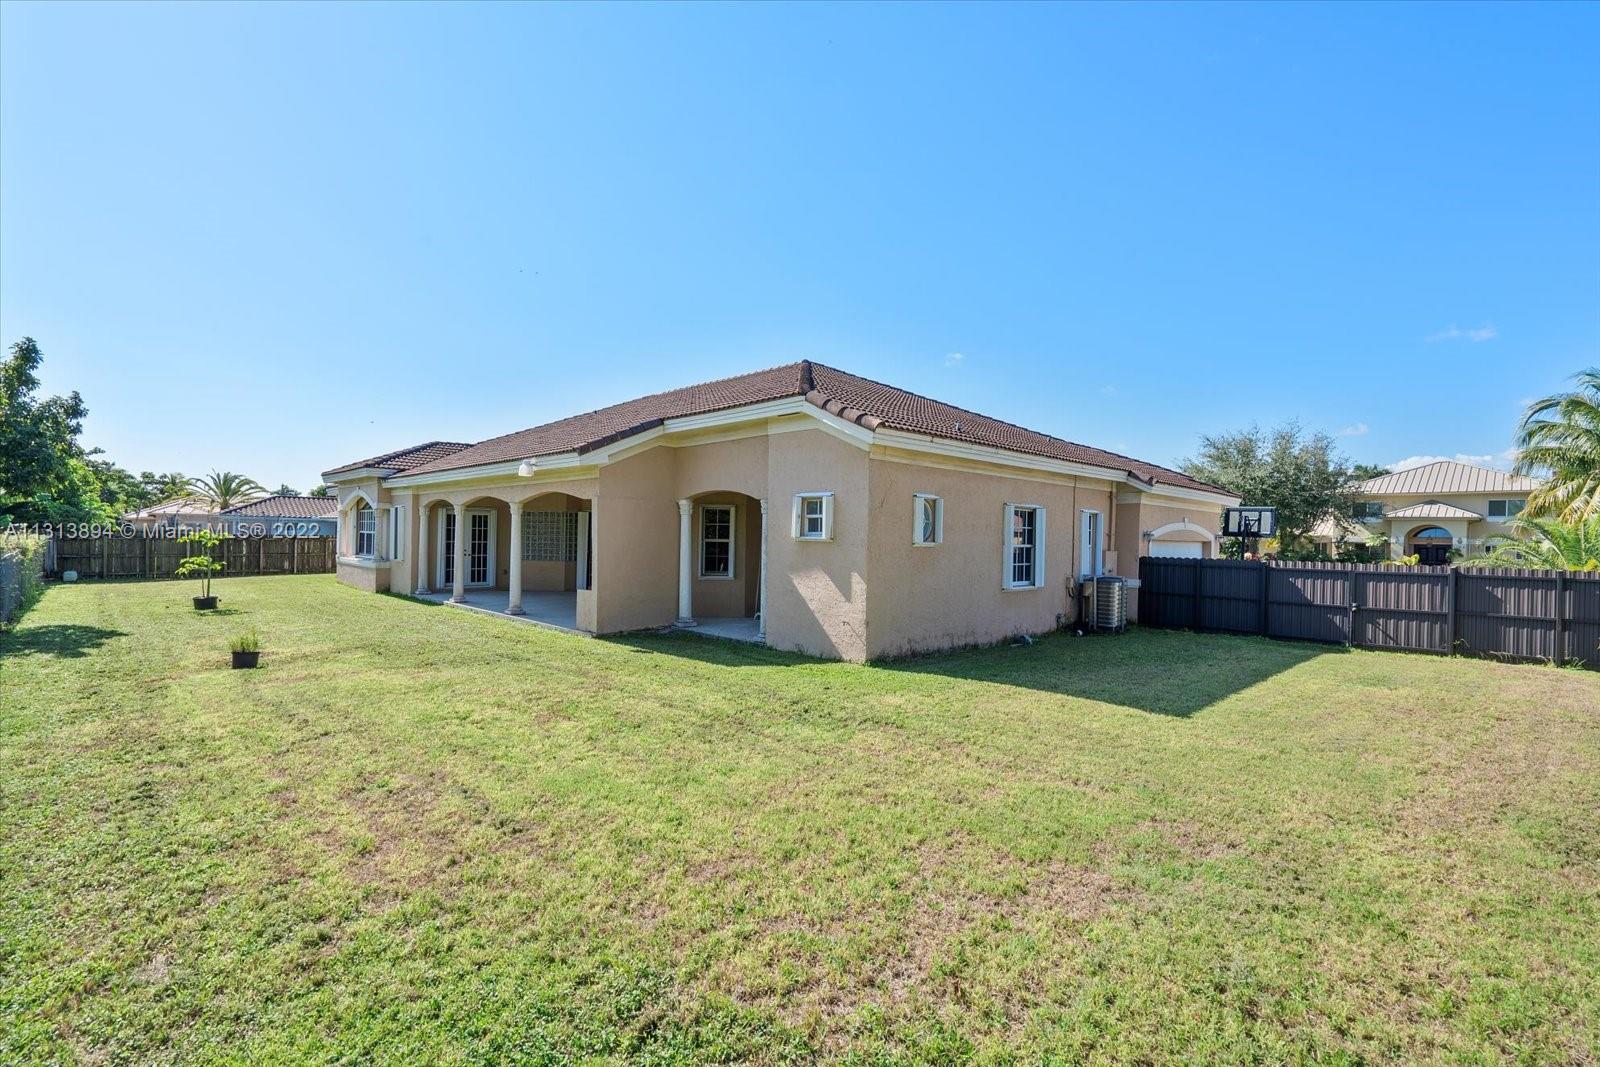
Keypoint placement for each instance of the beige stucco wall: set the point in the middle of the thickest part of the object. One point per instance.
(817, 590)
(636, 543)
(951, 594)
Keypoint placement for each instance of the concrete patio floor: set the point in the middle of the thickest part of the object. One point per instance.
(560, 611)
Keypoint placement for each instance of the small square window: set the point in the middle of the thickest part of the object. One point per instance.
(1505, 509)
(927, 519)
(813, 516)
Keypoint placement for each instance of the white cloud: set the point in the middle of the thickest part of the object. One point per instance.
(1108, 390)
(953, 359)
(1486, 332)
(1501, 461)
(1358, 430)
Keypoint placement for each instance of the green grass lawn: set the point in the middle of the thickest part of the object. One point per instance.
(420, 834)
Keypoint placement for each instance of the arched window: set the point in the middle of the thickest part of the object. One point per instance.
(366, 530)
(1428, 533)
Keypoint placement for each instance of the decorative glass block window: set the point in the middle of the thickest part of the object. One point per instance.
(366, 530)
(716, 541)
(1024, 546)
(813, 516)
(1505, 509)
(927, 519)
(550, 536)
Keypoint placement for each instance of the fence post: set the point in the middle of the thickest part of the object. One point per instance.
(1266, 581)
(1450, 612)
(1350, 623)
(1199, 590)
(1558, 647)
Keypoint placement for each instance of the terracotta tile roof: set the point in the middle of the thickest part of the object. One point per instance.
(405, 459)
(1442, 477)
(288, 507)
(860, 400)
(176, 506)
(1432, 509)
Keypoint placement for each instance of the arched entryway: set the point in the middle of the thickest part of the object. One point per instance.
(720, 575)
(1430, 544)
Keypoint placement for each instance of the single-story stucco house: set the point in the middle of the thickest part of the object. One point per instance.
(282, 515)
(800, 506)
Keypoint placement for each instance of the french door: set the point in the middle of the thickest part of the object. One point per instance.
(479, 548)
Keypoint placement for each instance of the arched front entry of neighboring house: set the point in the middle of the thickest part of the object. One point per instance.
(1430, 544)
(1183, 539)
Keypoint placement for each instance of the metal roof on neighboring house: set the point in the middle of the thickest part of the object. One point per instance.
(287, 507)
(1432, 509)
(1444, 476)
(404, 459)
(867, 403)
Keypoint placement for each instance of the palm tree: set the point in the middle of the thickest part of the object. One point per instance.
(1546, 544)
(224, 489)
(1560, 436)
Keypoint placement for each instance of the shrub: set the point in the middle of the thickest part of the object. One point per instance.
(247, 641)
(21, 574)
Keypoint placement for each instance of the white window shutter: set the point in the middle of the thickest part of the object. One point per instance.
(1039, 553)
(827, 517)
(1007, 521)
(796, 527)
(938, 520)
(916, 519)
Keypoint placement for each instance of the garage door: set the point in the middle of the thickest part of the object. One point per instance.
(1178, 549)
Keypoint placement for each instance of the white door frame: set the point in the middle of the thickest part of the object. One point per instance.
(494, 524)
(1095, 565)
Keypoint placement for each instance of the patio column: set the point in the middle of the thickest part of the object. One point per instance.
(761, 586)
(514, 590)
(458, 588)
(422, 551)
(685, 564)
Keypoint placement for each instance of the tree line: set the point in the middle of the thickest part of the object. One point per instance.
(47, 475)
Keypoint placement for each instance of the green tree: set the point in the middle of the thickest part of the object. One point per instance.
(1546, 543)
(160, 487)
(321, 490)
(284, 490)
(1300, 475)
(119, 490)
(38, 440)
(1362, 472)
(1559, 440)
(225, 489)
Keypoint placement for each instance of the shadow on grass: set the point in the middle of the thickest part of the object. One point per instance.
(1163, 672)
(64, 641)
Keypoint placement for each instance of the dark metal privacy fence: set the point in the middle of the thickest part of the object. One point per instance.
(140, 556)
(1482, 611)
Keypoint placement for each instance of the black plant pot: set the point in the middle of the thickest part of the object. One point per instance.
(245, 660)
(205, 603)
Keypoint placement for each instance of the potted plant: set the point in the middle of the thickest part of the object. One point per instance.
(246, 649)
(201, 565)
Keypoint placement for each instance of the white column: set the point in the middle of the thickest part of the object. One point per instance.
(685, 564)
(514, 593)
(761, 588)
(458, 588)
(421, 553)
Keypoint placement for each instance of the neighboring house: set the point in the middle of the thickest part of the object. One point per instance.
(172, 514)
(799, 506)
(283, 516)
(1434, 510)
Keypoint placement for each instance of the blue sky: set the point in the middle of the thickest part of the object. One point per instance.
(274, 239)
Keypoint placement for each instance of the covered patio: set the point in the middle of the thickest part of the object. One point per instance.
(559, 611)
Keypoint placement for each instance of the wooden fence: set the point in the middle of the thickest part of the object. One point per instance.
(141, 556)
(1483, 611)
